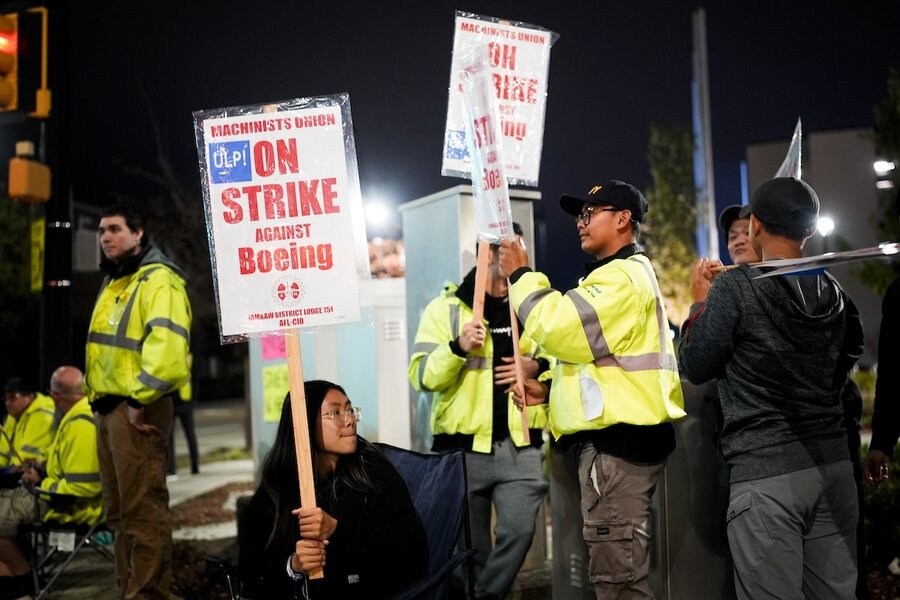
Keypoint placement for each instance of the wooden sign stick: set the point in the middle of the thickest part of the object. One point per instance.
(520, 370)
(482, 272)
(301, 426)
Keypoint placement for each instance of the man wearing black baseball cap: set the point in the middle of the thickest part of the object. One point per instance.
(615, 386)
(780, 349)
(737, 234)
(29, 427)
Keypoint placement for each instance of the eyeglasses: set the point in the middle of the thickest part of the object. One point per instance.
(351, 414)
(585, 215)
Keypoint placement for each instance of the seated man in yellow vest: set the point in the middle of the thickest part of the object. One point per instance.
(28, 429)
(72, 469)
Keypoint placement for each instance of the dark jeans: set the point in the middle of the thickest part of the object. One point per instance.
(184, 412)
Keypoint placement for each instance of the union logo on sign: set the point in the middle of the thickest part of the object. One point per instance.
(288, 291)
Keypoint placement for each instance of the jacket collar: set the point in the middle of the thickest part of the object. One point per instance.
(624, 252)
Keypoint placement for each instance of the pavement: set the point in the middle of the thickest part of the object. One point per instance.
(219, 425)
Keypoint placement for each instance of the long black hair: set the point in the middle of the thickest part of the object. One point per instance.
(279, 471)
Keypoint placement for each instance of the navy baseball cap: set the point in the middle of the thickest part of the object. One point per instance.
(731, 214)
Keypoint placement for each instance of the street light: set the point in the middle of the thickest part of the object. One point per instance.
(825, 227)
(883, 167)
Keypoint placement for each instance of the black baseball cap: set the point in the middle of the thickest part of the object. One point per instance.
(614, 193)
(729, 216)
(786, 202)
(19, 384)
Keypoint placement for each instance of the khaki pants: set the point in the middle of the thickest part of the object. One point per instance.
(133, 474)
(615, 506)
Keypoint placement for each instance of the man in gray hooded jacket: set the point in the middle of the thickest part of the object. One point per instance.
(780, 349)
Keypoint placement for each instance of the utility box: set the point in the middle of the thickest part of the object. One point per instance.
(367, 358)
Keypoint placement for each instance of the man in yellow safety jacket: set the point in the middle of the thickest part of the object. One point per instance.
(137, 358)
(615, 386)
(29, 426)
(468, 367)
(71, 470)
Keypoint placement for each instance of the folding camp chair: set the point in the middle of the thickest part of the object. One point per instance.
(437, 485)
(46, 542)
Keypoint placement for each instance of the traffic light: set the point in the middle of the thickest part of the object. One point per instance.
(9, 62)
(23, 62)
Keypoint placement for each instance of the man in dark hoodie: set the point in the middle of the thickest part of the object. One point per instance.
(136, 359)
(780, 349)
(468, 367)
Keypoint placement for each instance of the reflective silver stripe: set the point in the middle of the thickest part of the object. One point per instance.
(428, 348)
(476, 362)
(126, 314)
(87, 418)
(115, 341)
(590, 322)
(167, 324)
(530, 302)
(454, 320)
(660, 310)
(154, 383)
(32, 449)
(53, 487)
(653, 360)
(640, 362)
(121, 340)
(81, 477)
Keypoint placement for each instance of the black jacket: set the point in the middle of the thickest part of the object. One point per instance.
(379, 542)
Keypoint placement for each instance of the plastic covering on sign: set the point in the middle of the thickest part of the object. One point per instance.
(493, 214)
(791, 166)
(284, 215)
(519, 59)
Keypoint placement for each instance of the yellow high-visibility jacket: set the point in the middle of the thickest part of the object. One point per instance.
(463, 387)
(610, 335)
(139, 336)
(9, 426)
(31, 433)
(73, 467)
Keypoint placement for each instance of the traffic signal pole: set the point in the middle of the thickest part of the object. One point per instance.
(34, 58)
(55, 149)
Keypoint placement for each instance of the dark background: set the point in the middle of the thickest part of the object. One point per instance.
(122, 69)
(616, 68)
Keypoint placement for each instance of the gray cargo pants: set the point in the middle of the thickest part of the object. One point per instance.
(794, 535)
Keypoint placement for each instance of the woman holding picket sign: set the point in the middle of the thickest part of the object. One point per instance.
(365, 532)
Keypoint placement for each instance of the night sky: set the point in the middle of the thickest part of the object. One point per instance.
(616, 68)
